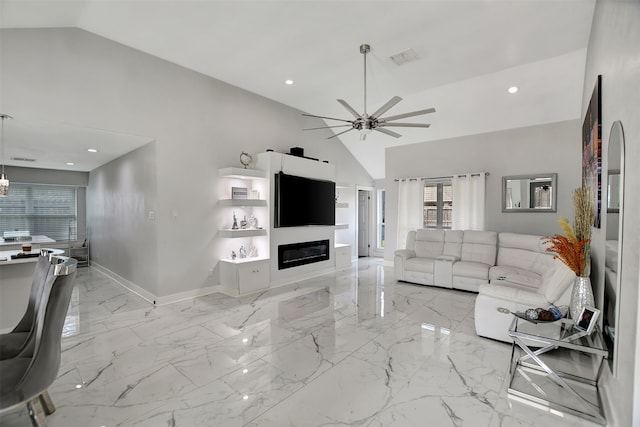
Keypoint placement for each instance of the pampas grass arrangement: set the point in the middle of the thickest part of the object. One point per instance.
(573, 249)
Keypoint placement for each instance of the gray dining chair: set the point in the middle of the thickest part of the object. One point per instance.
(12, 342)
(28, 375)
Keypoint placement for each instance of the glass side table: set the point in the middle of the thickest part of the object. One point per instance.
(557, 367)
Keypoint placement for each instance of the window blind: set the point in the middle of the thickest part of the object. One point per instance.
(48, 210)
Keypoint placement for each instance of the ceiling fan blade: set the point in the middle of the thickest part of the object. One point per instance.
(386, 107)
(412, 114)
(324, 117)
(406, 125)
(338, 134)
(326, 127)
(388, 132)
(349, 108)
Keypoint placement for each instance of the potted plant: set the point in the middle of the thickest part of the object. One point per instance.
(573, 249)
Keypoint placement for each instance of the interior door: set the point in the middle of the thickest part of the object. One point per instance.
(364, 199)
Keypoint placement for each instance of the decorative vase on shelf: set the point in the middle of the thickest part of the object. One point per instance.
(581, 295)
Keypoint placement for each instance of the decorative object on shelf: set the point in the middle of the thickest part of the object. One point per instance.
(365, 123)
(242, 252)
(4, 180)
(235, 222)
(337, 196)
(243, 223)
(253, 251)
(233, 255)
(592, 150)
(245, 159)
(255, 194)
(252, 222)
(239, 192)
(574, 251)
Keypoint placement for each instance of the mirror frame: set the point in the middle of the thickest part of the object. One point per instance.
(554, 196)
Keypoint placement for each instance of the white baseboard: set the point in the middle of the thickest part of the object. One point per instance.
(153, 299)
(193, 293)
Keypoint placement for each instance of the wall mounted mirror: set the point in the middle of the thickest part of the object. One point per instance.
(529, 193)
(613, 244)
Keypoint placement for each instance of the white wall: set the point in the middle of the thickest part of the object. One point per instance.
(551, 148)
(613, 53)
(199, 125)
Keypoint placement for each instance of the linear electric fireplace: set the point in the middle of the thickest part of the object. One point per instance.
(296, 254)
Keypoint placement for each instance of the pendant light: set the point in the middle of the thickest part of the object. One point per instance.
(4, 181)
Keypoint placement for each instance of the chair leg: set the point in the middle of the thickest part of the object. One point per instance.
(36, 416)
(47, 404)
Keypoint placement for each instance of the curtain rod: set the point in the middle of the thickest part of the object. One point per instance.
(425, 178)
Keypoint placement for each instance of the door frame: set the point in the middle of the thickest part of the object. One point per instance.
(371, 217)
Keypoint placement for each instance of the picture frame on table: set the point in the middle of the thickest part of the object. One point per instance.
(587, 319)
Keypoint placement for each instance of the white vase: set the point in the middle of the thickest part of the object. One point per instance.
(581, 295)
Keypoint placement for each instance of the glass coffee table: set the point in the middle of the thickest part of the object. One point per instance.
(557, 367)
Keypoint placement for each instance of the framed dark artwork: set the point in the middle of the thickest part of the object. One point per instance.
(592, 149)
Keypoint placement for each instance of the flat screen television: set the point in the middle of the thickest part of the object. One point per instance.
(301, 201)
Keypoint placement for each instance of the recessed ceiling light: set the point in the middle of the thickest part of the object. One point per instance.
(70, 163)
(92, 150)
(513, 89)
(288, 82)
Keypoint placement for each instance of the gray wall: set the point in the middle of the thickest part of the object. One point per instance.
(123, 237)
(530, 150)
(199, 124)
(613, 53)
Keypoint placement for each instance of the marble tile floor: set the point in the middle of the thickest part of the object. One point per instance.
(352, 348)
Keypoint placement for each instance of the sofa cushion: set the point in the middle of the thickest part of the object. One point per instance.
(476, 270)
(557, 280)
(429, 243)
(453, 243)
(515, 275)
(424, 265)
(528, 242)
(479, 246)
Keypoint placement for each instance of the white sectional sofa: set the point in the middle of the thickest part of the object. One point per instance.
(447, 258)
(511, 272)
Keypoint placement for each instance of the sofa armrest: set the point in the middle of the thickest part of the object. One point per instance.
(405, 253)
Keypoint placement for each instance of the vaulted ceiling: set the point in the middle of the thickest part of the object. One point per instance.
(468, 54)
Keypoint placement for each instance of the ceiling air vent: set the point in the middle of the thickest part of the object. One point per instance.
(23, 159)
(404, 57)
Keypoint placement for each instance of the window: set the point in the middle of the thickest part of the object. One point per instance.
(380, 216)
(438, 204)
(48, 210)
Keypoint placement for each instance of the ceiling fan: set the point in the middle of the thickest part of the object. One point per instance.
(366, 123)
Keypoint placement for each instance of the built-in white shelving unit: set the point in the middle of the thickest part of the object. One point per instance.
(342, 250)
(242, 202)
(249, 232)
(244, 275)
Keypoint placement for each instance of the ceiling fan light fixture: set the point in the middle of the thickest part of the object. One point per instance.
(4, 179)
(365, 123)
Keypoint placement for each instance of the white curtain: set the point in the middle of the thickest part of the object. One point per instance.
(468, 201)
(410, 206)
